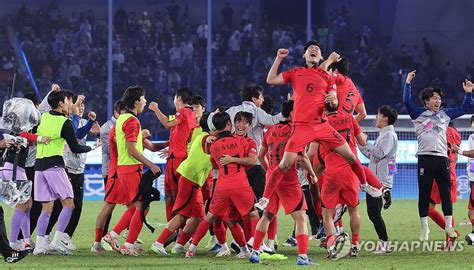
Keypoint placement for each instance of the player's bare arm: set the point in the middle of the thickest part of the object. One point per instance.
(273, 76)
(466, 153)
(262, 157)
(164, 120)
(132, 150)
(333, 58)
(246, 161)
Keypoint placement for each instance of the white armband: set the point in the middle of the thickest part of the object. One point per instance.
(39, 139)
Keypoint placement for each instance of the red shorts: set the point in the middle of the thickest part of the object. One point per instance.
(304, 133)
(471, 198)
(206, 189)
(243, 200)
(131, 186)
(114, 192)
(435, 197)
(289, 194)
(341, 187)
(171, 175)
(189, 202)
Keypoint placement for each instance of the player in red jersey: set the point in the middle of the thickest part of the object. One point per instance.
(130, 161)
(454, 139)
(312, 88)
(340, 185)
(288, 193)
(232, 186)
(181, 125)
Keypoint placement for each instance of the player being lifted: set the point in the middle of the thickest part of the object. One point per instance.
(312, 87)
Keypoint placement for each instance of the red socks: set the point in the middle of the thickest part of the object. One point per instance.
(253, 226)
(135, 228)
(201, 231)
(436, 217)
(272, 229)
(358, 169)
(238, 234)
(330, 240)
(272, 182)
(124, 221)
(164, 236)
(220, 232)
(302, 240)
(371, 178)
(258, 240)
(183, 238)
(98, 234)
(355, 239)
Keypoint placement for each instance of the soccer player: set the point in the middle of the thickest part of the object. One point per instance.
(382, 156)
(470, 173)
(9, 254)
(312, 86)
(51, 180)
(181, 125)
(232, 186)
(189, 206)
(288, 192)
(106, 157)
(431, 123)
(130, 161)
(340, 186)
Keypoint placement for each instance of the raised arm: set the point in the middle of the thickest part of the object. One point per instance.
(273, 77)
(332, 58)
(413, 110)
(466, 104)
(164, 120)
(266, 119)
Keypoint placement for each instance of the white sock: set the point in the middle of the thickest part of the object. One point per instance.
(424, 222)
(97, 243)
(158, 244)
(250, 241)
(271, 243)
(114, 235)
(303, 256)
(12, 243)
(193, 248)
(128, 245)
(224, 245)
(449, 221)
(58, 235)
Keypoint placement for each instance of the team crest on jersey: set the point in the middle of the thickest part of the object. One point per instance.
(334, 86)
(422, 171)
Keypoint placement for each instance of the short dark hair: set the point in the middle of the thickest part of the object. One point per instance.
(55, 97)
(268, 105)
(198, 100)
(69, 94)
(342, 66)
(185, 94)
(33, 97)
(251, 91)
(132, 94)
(220, 120)
(287, 108)
(119, 106)
(203, 122)
(243, 116)
(428, 92)
(310, 43)
(390, 113)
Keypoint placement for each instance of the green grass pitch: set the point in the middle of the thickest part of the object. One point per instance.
(401, 219)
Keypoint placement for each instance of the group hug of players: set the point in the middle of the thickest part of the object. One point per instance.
(220, 163)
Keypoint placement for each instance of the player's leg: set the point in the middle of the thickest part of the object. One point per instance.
(330, 230)
(470, 237)
(272, 234)
(200, 233)
(102, 218)
(172, 226)
(311, 212)
(9, 255)
(443, 180)
(426, 174)
(288, 160)
(112, 237)
(374, 211)
(355, 229)
(188, 231)
(77, 182)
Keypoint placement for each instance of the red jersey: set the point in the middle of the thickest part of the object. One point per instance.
(348, 127)
(310, 86)
(252, 145)
(231, 176)
(112, 152)
(131, 128)
(347, 94)
(275, 141)
(181, 133)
